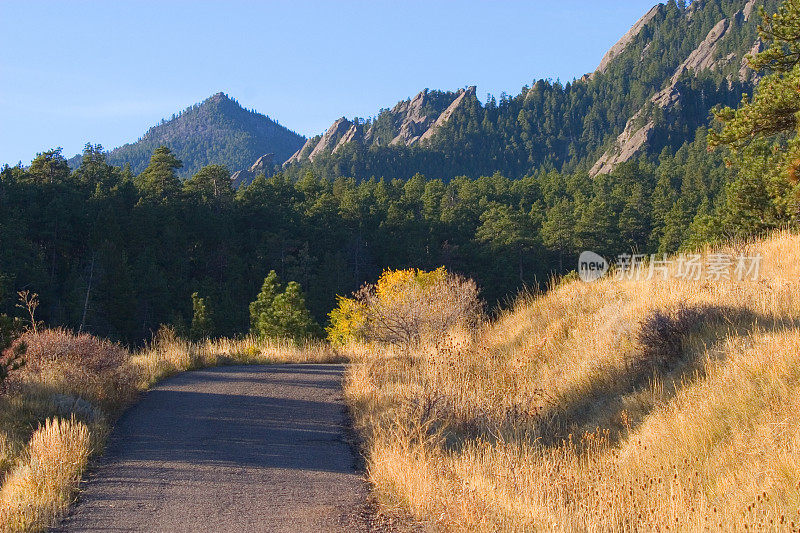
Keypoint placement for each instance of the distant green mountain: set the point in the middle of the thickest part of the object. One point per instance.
(652, 90)
(216, 131)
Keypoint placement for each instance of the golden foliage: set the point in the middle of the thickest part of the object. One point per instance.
(406, 307)
(37, 492)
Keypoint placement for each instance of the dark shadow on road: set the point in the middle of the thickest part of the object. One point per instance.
(170, 424)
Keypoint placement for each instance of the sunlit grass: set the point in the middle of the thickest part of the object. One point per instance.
(620, 405)
(39, 489)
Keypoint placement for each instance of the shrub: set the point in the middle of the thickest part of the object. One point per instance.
(406, 307)
(346, 322)
(80, 365)
(663, 333)
(11, 358)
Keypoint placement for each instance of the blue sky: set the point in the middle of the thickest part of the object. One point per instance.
(73, 72)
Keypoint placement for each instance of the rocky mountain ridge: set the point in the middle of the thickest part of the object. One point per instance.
(652, 90)
(628, 38)
(409, 122)
(706, 57)
(263, 165)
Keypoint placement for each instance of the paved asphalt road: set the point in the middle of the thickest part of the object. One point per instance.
(244, 448)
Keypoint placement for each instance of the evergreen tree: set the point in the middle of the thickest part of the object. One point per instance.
(634, 220)
(558, 230)
(291, 318)
(705, 227)
(201, 327)
(675, 230)
(509, 231)
(49, 167)
(159, 181)
(211, 184)
(771, 116)
(261, 308)
(277, 314)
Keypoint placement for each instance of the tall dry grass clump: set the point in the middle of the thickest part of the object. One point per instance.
(38, 491)
(54, 410)
(620, 405)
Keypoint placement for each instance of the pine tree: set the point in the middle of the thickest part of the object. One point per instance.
(49, 167)
(558, 230)
(508, 231)
(211, 184)
(772, 113)
(277, 314)
(261, 308)
(159, 181)
(677, 222)
(201, 327)
(292, 319)
(705, 227)
(634, 220)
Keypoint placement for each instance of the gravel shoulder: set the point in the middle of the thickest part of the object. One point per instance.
(241, 448)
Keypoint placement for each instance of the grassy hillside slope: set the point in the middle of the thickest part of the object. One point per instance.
(621, 405)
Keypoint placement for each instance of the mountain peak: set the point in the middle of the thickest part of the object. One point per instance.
(218, 130)
(628, 38)
(218, 98)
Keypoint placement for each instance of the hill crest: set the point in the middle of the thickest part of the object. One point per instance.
(218, 130)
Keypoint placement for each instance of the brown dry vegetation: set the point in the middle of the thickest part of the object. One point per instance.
(55, 412)
(620, 405)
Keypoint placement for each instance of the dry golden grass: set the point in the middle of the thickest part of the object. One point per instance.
(621, 405)
(72, 386)
(38, 490)
(168, 355)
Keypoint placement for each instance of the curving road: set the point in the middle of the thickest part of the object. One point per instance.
(244, 448)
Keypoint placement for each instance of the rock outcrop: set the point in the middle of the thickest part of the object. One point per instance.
(638, 129)
(304, 150)
(353, 134)
(627, 39)
(265, 164)
(748, 9)
(745, 72)
(704, 56)
(415, 120)
(447, 113)
(331, 137)
(629, 143)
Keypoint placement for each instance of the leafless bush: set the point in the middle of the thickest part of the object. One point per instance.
(416, 312)
(663, 334)
(81, 365)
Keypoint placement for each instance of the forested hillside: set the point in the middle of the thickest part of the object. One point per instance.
(216, 131)
(119, 254)
(667, 74)
(501, 192)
